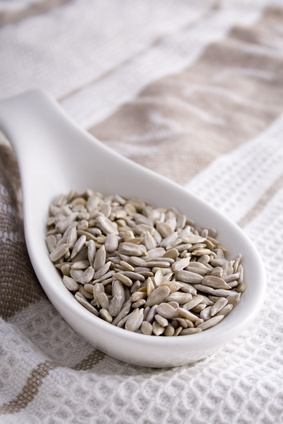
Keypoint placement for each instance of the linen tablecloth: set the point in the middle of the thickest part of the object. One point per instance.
(194, 91)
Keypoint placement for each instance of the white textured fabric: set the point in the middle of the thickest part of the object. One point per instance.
(239, 180)
(193, 90)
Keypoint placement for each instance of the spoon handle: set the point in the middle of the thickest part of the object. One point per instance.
(45, 139)
(32, 121)
(19, 116)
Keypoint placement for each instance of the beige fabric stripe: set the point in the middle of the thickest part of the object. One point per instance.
(263, 201)
(29, 390)
(35, 380)
(34, 9)
(188, 119)
(15, 264)
(90, 361)
(273, 14)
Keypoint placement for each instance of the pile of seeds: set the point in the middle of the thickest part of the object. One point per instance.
(142, 268)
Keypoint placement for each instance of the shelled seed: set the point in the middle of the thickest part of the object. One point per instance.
(145, 269)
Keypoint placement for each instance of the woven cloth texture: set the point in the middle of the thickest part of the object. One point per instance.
(194, 91)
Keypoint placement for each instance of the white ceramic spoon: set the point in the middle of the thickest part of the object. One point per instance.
(55, 156)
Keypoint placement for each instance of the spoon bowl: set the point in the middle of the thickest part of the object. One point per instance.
(55, 156)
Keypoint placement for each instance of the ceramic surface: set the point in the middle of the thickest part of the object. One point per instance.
(54, 156)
